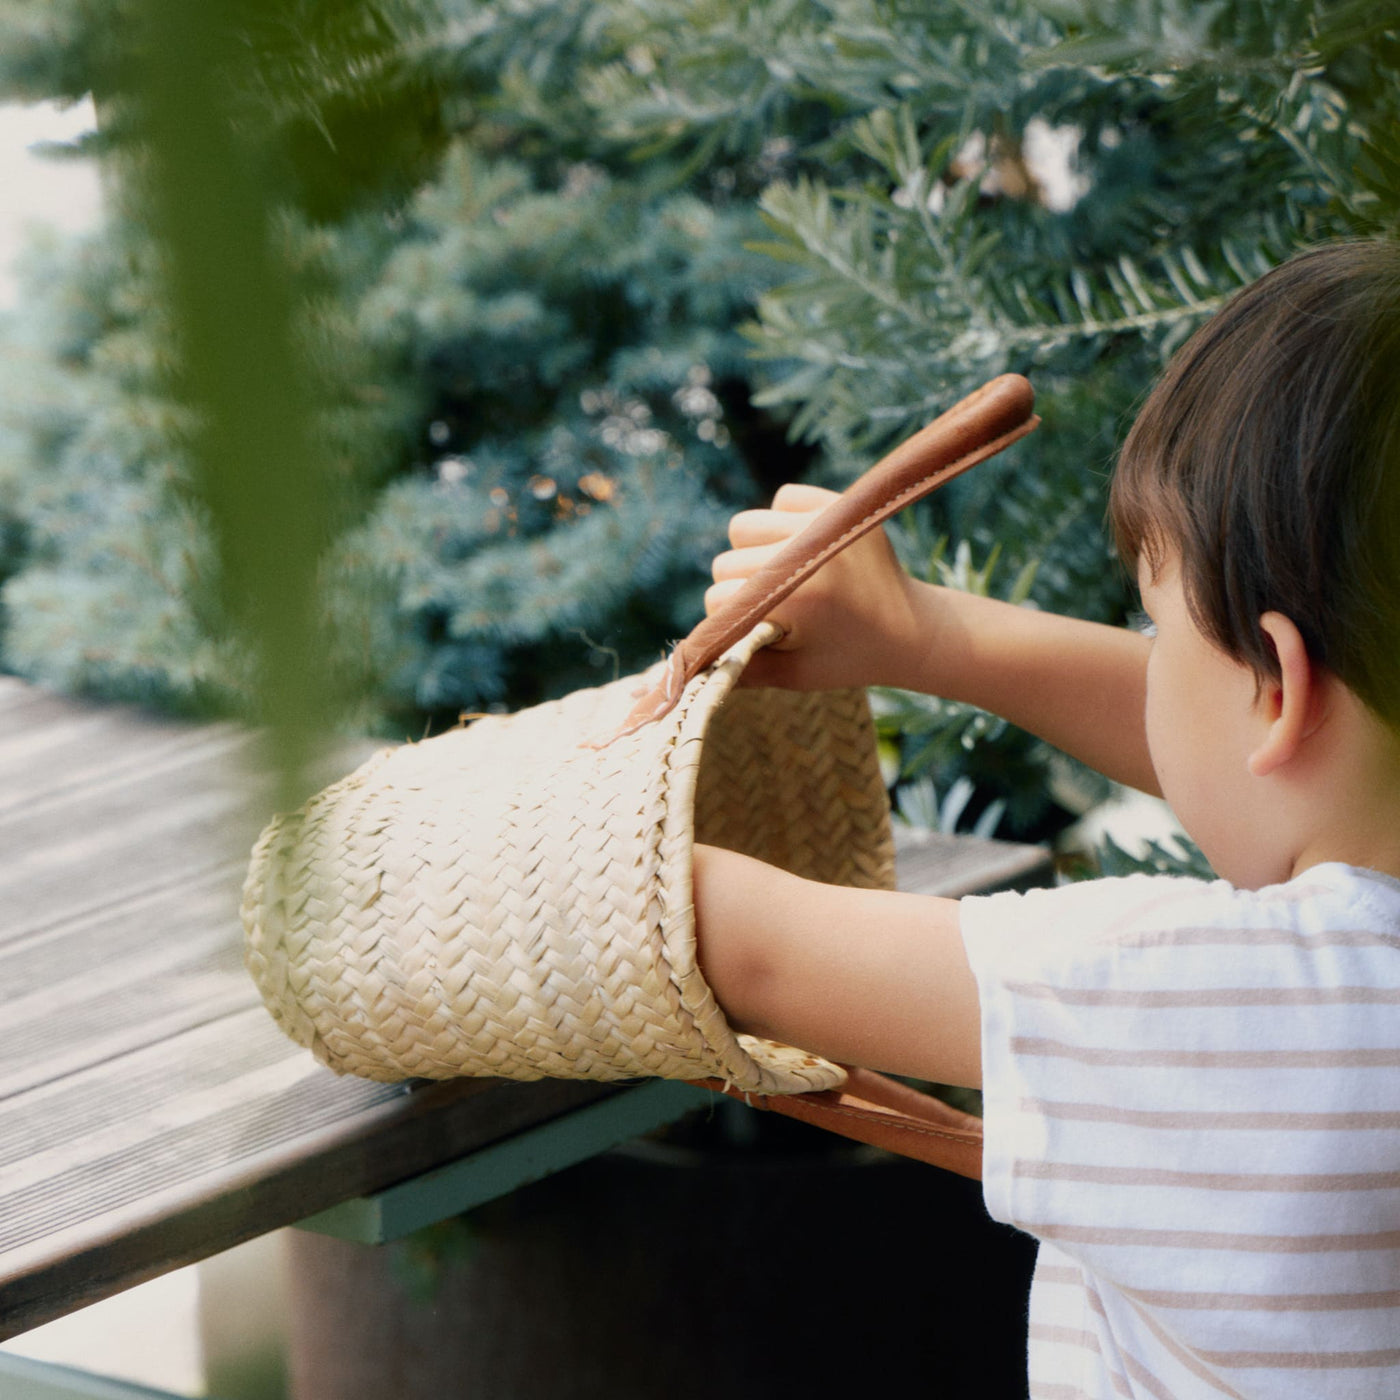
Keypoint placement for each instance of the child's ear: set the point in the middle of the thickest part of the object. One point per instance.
(1291, 705)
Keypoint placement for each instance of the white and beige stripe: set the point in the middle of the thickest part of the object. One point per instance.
(1192, 1102)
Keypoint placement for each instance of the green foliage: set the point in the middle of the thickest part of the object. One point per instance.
(1176, 856)
(664, 234)
(331, 101)
(53, 50)
(536, 363)
(572, 461)
(990, 776)
(924, 254)
(110, 564)
(215, 164)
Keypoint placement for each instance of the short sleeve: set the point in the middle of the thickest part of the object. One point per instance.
(1191, 1100)
(1022, 948)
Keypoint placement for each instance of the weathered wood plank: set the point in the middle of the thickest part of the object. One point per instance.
(184, 1163)
(92, 1031)
(77, 748)
(80, 845)
(145, 806)
(102, 793)
(118, 942)
(17, 695)
(932, 863)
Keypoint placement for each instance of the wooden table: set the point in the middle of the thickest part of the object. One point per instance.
(151, 1114)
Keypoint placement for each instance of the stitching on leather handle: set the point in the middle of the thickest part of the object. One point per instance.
(680, 668)
(890, 506)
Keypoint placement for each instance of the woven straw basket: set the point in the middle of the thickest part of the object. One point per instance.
(513, 898)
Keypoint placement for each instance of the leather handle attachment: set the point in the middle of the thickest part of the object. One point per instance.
(884, 1113)
(977, 427)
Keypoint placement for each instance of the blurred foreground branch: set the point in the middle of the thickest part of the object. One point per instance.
(256, 463)
(208, 180)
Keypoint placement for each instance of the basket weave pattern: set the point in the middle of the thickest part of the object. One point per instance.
(499, 900)
(515, 898)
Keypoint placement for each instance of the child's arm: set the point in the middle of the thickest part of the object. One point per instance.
(861, 620)
(865, 977)
(1080, 686)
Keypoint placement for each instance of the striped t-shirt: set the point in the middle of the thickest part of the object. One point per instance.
(1192, 1098)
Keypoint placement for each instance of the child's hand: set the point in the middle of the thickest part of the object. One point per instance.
(846, 626)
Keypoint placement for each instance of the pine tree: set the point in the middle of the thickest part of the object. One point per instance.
(230, 125)
(177, 411)
(664, 233)
(925, 256)
(546, 377)
(572, 347)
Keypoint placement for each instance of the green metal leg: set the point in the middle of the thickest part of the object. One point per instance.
(499, 1169)
(24, 1379)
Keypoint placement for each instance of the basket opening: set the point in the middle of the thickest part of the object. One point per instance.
(792, 778)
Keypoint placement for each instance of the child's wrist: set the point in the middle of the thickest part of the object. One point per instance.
(912, 640)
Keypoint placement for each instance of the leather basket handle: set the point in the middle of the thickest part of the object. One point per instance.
(870, 1108)
(884, 1113)
(979, 426)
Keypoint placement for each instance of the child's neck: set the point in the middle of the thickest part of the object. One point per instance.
(1349, 803)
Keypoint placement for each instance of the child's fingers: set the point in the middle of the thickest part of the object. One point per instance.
(759, 527)
(740, 563)
(757, 535)
(732, 571)
(793, 507)
(717, 594)
(797, 495)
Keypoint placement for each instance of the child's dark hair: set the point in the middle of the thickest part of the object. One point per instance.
(1268, 458)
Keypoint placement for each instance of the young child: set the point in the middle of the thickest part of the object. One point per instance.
(1192, 1089)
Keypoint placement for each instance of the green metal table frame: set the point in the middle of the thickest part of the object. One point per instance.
(499, 1169)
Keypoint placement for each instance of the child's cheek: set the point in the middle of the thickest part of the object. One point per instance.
(1158, 730)
(1173, 737)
